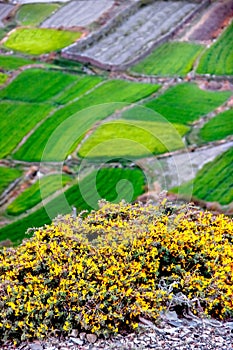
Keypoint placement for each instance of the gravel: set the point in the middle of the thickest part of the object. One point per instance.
(172, 333)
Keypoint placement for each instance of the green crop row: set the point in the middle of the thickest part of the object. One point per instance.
(34, 194)
(133, 139)
(69, 123)
(37, 85)
(83, 85)
(214, 181)
(185, 103)
(8, 62)
(16, 120)
(7, 176)
(172, 58)
(218, 128)
(3, 78)
(218, 59)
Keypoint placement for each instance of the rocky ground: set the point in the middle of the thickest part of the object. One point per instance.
(173, 333)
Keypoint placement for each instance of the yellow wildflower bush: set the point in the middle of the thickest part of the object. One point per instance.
(103, 270)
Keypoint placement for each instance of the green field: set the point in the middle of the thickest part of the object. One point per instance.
(2, 33)
(214, 181)
(79, 88)
(33, 195)
(109, 183)
(218, 128)
(172, 58)
(34, 14)
(68, 64)
(8, 63)
(96, 106)
(16, 120)
(3, 78)
(7, 176)
(185, 103)
(37, 85)
(36, 41)
(133, 139)
(218, 59)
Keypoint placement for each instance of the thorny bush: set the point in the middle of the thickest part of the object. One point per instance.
(101, 271)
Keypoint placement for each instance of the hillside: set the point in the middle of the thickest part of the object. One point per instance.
(108, 123)
(116, 158)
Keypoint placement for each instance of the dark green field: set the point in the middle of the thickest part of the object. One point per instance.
(109, 183)
(172, 58)
(33, 195)
(77, 89)
(16, 120)
(7, 176)
(218, 128)
(96, 105)
(185, 103)
(37, 85)
(214, 181)
(8, 62)
(218, 59)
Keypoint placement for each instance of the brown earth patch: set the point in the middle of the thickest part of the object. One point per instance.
(213, 21)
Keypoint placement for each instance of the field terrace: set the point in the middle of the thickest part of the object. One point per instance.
(135, 35)
(78, 13)
(5, 9)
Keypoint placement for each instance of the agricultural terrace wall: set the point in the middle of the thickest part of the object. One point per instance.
(117, 20)
(218, 78)
(84, 43)
(7, 192)
(5, 10)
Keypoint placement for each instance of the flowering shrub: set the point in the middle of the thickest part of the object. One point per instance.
(102, 271)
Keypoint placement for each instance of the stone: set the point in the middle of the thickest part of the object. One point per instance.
(189, 340)
(219, 339)
(91, 338)
(76, 341)
(35, 346)
(74, 333)
(82, 335)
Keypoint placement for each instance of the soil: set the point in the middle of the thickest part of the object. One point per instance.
(213, 21)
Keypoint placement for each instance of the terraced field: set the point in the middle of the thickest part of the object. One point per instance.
(214, 181)
(105, 181)
(8, 63)
(136, 34)
(16, 120)
(172, 58)
(3, 78)
(55, 107)
(218, 128)
(37, 85)
(218, 59)
(36, 41)
(41, 189)
(96, 106)
(7, 176)
(78, 13)
(185, 103)
(133, 139)
(5, 9)
(77, 89)
(35, 14)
